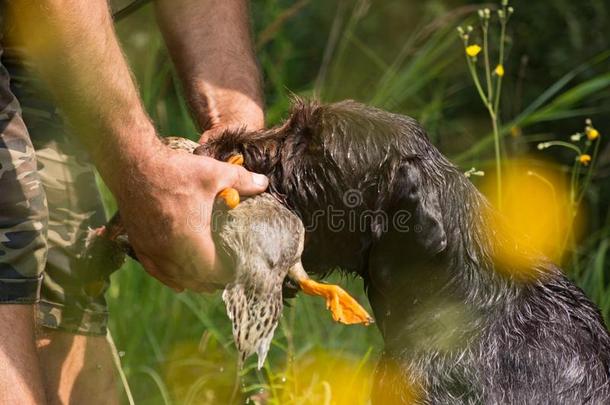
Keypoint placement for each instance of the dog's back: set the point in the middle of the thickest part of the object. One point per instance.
(548, 346)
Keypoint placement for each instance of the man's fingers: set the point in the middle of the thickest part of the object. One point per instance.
(151, 269)
(245, 182)
(210, 134)
(165, 280)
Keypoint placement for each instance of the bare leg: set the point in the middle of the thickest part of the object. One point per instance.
(77, 369)
(20, 377)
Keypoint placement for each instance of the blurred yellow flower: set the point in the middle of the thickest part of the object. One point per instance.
(592, 134)
(473, 50)
(584, 159)
(499, 70)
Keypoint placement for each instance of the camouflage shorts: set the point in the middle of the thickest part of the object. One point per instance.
(48, 201)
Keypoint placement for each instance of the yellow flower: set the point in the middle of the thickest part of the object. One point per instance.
(584, 159)
(499, 70)
(592, 134)
(473, 50)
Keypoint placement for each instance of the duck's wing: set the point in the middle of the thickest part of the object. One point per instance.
(179, 143)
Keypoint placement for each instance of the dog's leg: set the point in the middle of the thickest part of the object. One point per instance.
(342, 306)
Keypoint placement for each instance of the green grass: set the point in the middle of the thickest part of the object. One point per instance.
(180, 346)
(396, 55)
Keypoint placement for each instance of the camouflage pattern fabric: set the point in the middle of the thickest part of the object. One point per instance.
(72, 292)
(72, 296)
(23, 209)
(42, 237)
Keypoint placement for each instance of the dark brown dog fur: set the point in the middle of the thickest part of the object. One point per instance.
(469, 314)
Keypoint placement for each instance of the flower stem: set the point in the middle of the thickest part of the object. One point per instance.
(589, 175)
(565, 145)
(486, 59)
(498, 153)
(501, 58)
(569, 236)
(475, 78)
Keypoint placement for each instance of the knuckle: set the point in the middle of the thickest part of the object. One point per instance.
(215, 183)
(240, 176)
(231, 177)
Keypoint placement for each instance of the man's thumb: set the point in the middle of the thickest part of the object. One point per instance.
(248, 183)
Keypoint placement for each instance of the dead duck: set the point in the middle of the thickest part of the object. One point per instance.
(263, 241)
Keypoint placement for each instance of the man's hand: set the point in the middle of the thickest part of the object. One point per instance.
(210, 44)
(167, 212)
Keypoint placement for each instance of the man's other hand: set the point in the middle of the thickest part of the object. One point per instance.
(166, 206)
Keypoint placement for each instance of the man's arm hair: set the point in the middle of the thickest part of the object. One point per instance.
(73, 46)
(20, 375)
(210, 44)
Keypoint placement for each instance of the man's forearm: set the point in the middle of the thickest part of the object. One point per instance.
(73, 46)
(210, 44)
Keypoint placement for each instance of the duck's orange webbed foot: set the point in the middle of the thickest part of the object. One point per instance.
(229, 195)
(237, 159)
(342, 306)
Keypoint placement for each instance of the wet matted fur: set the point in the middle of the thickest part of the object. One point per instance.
(468, 313)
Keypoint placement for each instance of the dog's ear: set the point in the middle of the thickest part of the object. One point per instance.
(405, 253)
(221, 148)
(414, 208)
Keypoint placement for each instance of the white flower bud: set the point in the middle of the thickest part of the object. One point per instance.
(474, 172)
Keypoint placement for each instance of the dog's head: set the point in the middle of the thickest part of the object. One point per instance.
(355, 175)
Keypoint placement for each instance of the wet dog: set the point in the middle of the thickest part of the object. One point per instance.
(468, 312)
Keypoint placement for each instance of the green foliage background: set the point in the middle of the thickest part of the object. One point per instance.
(404, 56)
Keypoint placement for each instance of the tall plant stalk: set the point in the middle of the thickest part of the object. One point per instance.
(490, 93)
(585, 145)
